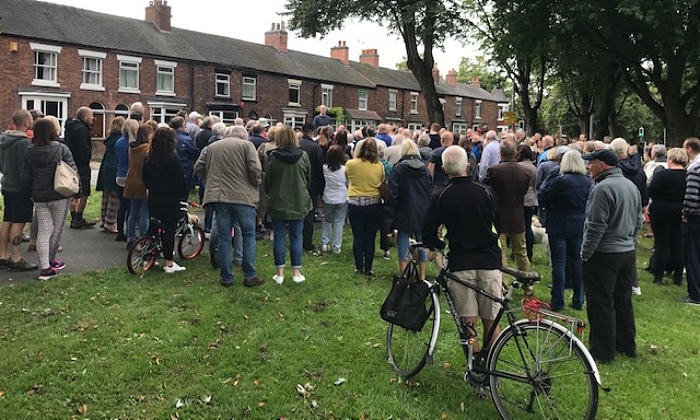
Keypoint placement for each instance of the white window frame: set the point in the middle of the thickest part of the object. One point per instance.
(250, 81)
(223, 81)
(121, 112)
(52, 68)
(362, 100)
(327, 95)
(293, 117)
(40, 100)
(163, 112)
(414, 102)
(227, 117)
(164, 69)
(501, 109)
(393, 94)
(125, 64)
(460, 128)
(413, 126)
(477, 109)
(357, 124)
(443, 101)
(458, 107)
(295, 85)
(98, 58)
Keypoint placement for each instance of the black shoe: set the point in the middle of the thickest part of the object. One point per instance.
(227, 284)
(658, 280)
(253, 282)
(4, 263)
(87, 224)
(575, 308)
(22, 265)
(120, 237)
(369, 273)
(690, 301)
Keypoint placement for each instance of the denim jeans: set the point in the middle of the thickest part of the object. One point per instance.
(364, 221)
(208, 213)
(226, 215)
(333, 222)
(138, 213)
(566, 251)
(295, 228)
(237, 239)
(402, 245)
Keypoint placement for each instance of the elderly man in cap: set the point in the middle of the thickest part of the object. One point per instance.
(608, 251)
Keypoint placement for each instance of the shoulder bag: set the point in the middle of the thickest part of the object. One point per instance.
(65, 180)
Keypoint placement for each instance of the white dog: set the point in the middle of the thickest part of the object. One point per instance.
(541, 237)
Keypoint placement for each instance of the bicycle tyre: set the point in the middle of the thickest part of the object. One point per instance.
(142, 255)
(408, 351)
(191, 243)
(561, 381)
(214, 249)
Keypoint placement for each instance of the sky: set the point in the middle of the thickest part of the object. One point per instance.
(249, 21)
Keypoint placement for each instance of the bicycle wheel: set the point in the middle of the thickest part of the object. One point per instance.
(548, 374)
(214, 249)
(191, 243)
(408, 351)
(142, 255)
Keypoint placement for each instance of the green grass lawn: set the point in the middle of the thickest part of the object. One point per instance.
(106, 344)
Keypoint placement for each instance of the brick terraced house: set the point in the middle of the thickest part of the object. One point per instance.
(56, 58)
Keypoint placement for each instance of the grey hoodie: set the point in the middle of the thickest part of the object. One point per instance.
(13, 144)
(613, 215)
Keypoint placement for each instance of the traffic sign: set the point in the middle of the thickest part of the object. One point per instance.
(510, 114)
(510, 120)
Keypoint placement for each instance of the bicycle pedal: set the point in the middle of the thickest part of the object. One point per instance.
(481, 392)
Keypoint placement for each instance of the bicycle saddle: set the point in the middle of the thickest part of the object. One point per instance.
(524, 277)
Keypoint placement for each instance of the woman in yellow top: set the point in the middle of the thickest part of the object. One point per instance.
(365, 174)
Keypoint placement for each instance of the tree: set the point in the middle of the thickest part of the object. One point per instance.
(506, 30)
(422, 25)
(656, 45)
(489, 76)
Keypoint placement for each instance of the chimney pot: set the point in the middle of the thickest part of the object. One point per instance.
(277, 37)
(340, 53)
(158, 13)
(451, 78)
(370, 56)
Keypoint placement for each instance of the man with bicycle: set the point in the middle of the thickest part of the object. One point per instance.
(468, 211)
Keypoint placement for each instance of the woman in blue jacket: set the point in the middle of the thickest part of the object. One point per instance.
(564, 198)
(121, 150)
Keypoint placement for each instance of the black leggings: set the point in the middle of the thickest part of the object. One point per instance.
(167, 210)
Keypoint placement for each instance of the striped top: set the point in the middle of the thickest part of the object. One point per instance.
(691, 202)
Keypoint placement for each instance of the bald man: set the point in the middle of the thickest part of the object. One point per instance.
(79, 141)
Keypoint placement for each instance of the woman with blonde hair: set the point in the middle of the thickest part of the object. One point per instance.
(407, 203)
(121, 149)
(134, 189)
(287, 176)
(365, 175)
(106, 178)
(666, 193)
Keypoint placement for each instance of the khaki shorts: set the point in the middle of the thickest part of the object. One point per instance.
(468, 302)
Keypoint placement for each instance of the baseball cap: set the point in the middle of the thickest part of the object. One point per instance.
(263, 122)
(604, 155)
(307, 127)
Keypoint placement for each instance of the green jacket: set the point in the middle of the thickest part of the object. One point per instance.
(287, 177)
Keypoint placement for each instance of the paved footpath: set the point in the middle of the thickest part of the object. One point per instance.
(83, 249)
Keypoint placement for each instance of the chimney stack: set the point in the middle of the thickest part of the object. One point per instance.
(436, 74)
(370, 57)
(340, 53)
(451, 78)
(475, 82)
(276, 37)
(158, 13)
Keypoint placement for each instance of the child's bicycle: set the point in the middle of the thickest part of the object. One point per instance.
(535, 368)
(188, 236)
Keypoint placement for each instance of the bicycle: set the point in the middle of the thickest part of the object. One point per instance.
(144, 251)
(534, 366)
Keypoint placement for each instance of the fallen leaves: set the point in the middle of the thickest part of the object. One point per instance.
(33, 390)
(305, 390)
(339, 381)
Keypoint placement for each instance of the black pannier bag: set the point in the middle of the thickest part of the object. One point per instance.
(405, 305)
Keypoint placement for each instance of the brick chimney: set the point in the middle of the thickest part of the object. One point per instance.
(158, 13)
(475, 82)
(436, 74)
(340, 53)
(370, 57)
(451, 78)
(276, 37)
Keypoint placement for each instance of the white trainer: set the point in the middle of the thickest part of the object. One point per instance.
(278, 279)
(173, 268)
(298, 279)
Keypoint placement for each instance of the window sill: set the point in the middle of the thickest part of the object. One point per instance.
(165, 93)
(414, 112)
(128, 90)
(46, 83)
(293, 104)
(222, 96)
(392, 109)
(86, 86)
(249, 99)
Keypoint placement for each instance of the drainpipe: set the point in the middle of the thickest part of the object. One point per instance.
(192, 87)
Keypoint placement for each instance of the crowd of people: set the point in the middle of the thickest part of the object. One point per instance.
(480, 192)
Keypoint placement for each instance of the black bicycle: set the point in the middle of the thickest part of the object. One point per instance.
(536, 367)
(144, 251)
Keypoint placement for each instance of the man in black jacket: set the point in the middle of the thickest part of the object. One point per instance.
(475, 256)
(79, 141)
(317, 184)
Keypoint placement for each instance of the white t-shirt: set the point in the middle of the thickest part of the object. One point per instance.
(336, 191)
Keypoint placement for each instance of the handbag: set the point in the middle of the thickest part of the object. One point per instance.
(384, 189)
(405, 305)
(65, 180)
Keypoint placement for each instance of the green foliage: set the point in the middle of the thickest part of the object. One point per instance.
(338, 112)
(489, 75)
